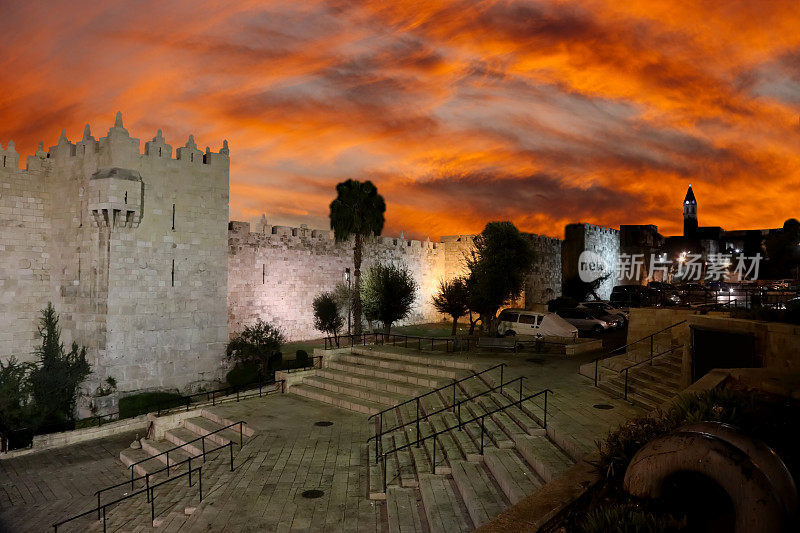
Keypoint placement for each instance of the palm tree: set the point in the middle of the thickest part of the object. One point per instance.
(358, 211)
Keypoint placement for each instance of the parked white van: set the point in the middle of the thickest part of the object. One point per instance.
(524, 322)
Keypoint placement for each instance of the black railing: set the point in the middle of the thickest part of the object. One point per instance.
(650, 361)
(455, 407)
(149, 492)
(313, 359)
(416, 399)
(183, 402)
(382, 457)
(247, 391)
(332, 343)
(202, 439)
(623, 349)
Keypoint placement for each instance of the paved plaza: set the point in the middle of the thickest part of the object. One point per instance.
(289, 455)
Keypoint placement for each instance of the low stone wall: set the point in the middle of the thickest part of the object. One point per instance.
(65, 438)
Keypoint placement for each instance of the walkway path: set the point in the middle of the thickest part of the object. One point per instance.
(288, 455)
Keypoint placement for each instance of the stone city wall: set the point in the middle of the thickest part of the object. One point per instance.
(275, 274)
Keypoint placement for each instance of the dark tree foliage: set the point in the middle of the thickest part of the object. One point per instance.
(15, 406)
(327, 316)
(257, 346)
(497, 269)
(783, 250)
(388, 293)
(452, 299)
(358, 211)
(57, 375)
(580, 290)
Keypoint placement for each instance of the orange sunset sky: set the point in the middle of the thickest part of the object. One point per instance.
(461, 112)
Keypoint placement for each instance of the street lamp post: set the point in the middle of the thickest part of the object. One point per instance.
(349, 298)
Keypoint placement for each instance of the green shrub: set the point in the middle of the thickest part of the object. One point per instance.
(242, 375)
(57, 375)
(258, 344)
(302, 359)
(626, 519)
(147, 402)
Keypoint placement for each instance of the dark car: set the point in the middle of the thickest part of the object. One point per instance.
(627, 296)
(664, 293)
(586, 321)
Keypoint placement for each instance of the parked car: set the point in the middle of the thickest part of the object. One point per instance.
(602, 309)
(584, 320)
(664, 293)
(524, 322)
(627, 296)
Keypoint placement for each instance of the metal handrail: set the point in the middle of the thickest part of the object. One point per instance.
(212, 395)
(202, 438)
(456, 406)
(616, 351)
(650, 360)
(474, 375)
(313, 359)
(173, 466)
(150, 499)
(330, 340)
(460, 425)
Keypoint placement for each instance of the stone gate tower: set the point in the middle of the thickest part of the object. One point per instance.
(131, 249)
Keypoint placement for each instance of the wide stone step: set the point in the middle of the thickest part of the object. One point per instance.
(657, 374)
(443, 506)
(493, 433)
(378, 384)
(412, 357)
(356, 391)
(187, 439)
(157, 449)
(545, 458)
(211, 414)
(528, 424)
(404, 366)
(216, 435)
(639, 381)
(641, 391)
(617, 391)
(336, 399)
(515, 477)
(462, 439)
(397, 375)
(482, 499)
(149, 464)
(402, 511)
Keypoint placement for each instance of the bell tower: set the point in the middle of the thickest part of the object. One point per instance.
(690, 214)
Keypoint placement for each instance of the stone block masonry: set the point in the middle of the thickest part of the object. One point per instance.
(131, 249)
(136, 253)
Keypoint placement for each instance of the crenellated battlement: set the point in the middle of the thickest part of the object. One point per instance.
(116, 149)
(297, 235)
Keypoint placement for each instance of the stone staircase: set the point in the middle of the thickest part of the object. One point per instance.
(649, 386)
(370, 379)
(176, 500)
(464, 488)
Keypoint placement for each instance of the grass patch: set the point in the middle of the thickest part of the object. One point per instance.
(146, 402)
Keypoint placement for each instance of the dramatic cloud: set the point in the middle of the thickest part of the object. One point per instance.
(542, 112)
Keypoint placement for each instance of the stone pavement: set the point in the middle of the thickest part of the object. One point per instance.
(289, 455)
(41, 488)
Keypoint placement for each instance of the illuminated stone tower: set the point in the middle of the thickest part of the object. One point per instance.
(690, 214)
